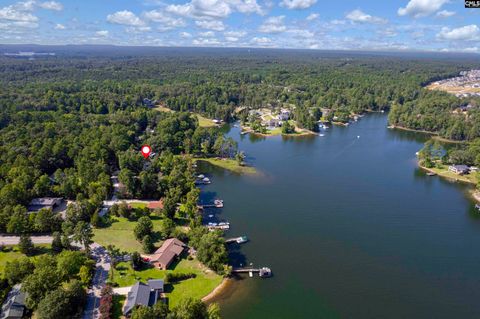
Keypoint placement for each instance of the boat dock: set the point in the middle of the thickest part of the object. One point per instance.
(263, 272)
(238, 240)
(218, 203)
(221, 226)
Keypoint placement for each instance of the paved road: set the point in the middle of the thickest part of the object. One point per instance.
(13, 240)
(103, 264)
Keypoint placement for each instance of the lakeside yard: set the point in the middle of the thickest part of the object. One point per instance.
(120, 232)
(442, 170)
(205, 281)
(228, 164)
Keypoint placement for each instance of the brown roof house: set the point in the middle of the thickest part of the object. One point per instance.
(155, 205)
(171, 249)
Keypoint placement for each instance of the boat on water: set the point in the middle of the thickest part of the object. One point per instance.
(477, 206)
(431, 173)
(218, 203)
(321, 135)
(265, 272)
(242, 239)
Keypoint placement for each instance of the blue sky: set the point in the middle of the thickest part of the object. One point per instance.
(438, 25)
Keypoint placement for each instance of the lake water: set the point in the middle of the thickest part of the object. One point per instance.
(350, 227)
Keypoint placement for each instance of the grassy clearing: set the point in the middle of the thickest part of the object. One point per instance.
(198, 287)
(138, 205)
(120, 233)
(162, 108)
(10, 253)
(229, 164)
(204, 122)
(442, 170)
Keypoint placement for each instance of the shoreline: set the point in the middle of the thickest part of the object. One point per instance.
(217, 291)
(435, 135)
(447, 177)
(229, 165)
(303, 132)
(474, 193)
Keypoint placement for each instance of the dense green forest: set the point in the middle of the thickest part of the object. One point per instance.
(70, 122)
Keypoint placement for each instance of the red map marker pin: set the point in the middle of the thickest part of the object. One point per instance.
(146, 150)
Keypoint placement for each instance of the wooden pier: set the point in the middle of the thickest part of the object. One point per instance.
(263, 272)
(218, 203)
(238, 240)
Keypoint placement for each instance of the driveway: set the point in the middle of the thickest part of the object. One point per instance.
(102, 268)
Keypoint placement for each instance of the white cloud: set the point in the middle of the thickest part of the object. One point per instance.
(232, 39)
(59, 26)
(361, 17)
(185, 35)
(51, 5)
(235, 34)
(208, 34)
(140, 29)
(421, 8)
(261, 41)
(210, 25)
(297, 4)
(206, 41)
(215, 9)
(16, 13)
(167, 22)
(301, 33)
(312, 16)
(273, 25)
(466, 33)
(125, 17)
(102, 33)
(388, 32)
(445, 13)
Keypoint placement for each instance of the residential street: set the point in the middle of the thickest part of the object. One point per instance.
(100, 254)
(13, 240)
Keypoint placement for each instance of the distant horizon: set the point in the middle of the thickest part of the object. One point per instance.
(368, 25)
(237, 48)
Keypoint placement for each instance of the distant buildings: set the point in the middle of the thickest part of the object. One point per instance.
(45, 202)
(14, 305)
(143, 295)
(171, 249)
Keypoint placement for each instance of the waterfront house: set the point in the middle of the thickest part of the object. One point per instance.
(14, 305)
(143, 295)
(459, 169)
(171, 249)
(45, 202)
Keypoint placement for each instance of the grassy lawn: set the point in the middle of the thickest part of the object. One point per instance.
(118, 301)
(204, 122)
(230, 165)
(11, 253)
(120, 233)
(138, 205)
(198, 287)
(442, 170)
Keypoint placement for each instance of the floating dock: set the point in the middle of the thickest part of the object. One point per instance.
(238, 240)
(263, 272)
(218, 203)
(221, 226)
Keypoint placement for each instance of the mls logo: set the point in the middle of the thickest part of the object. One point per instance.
(472, 3)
